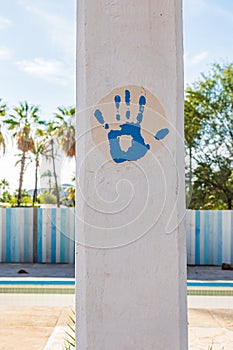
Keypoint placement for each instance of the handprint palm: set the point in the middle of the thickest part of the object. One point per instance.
(130, 129)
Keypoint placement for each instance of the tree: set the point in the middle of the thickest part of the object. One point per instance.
(25, 123)
(47, 198)
(48, 174)
(51, 153)
(4, 193)
(2, 137)
(209, 133)
(4, 184)
(38, 151)
(192, 128)
(212, 189)
(25, 198)
(65, 129)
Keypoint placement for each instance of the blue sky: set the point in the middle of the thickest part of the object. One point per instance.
(37, 52)
(208, 29)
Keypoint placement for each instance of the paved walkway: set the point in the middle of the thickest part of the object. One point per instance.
(29, 328)
(210, 318)
(34, 321)
(210, 328)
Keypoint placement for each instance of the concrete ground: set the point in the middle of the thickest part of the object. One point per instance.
(209, 273)
(34, 321)
(29, 328)
(37, 270)
(39, 326)
(210, 328)
(210, 318)
(43, 328)
(67, 270)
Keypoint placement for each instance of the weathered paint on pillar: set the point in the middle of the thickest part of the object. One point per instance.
(131, 257)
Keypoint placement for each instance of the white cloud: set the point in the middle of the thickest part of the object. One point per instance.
(5, 53)
(4, 22)
(194, 64)
(51, 70)
(196, 59)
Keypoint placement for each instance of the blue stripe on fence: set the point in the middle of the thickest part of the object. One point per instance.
(197, 234)
(39, 235)
(74, 252)
(63, 237)
(231, 261)
(53, 237)
(26, 236)
(211, 234)
(206, 237)
(15, 235)
(8, 235)
(219, 232)
(74, 239)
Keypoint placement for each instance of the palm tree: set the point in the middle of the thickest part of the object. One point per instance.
(4, 184)
(65, 129)
(2, 138)
(38, 151)
(25, 122)
(48, 174)
(51, 153)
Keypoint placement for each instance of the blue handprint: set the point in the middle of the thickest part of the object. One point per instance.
(138, 147)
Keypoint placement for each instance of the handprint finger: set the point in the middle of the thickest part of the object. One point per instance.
(161, 134)
(142, 102)
(127, 101)
(99, 117)
(117, 100)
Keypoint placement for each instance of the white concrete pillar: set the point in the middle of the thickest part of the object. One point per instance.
(131, 258)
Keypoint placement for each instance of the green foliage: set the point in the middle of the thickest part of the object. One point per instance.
(47, 198)
(209, 139)
(5, 197)
(26, 200)
(3, 109)
(69, 200)
(70, 341)
(65, 129)
(13, 201)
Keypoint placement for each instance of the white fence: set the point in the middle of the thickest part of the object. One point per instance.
(37, 235)
(48, 236)
(209, 237)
